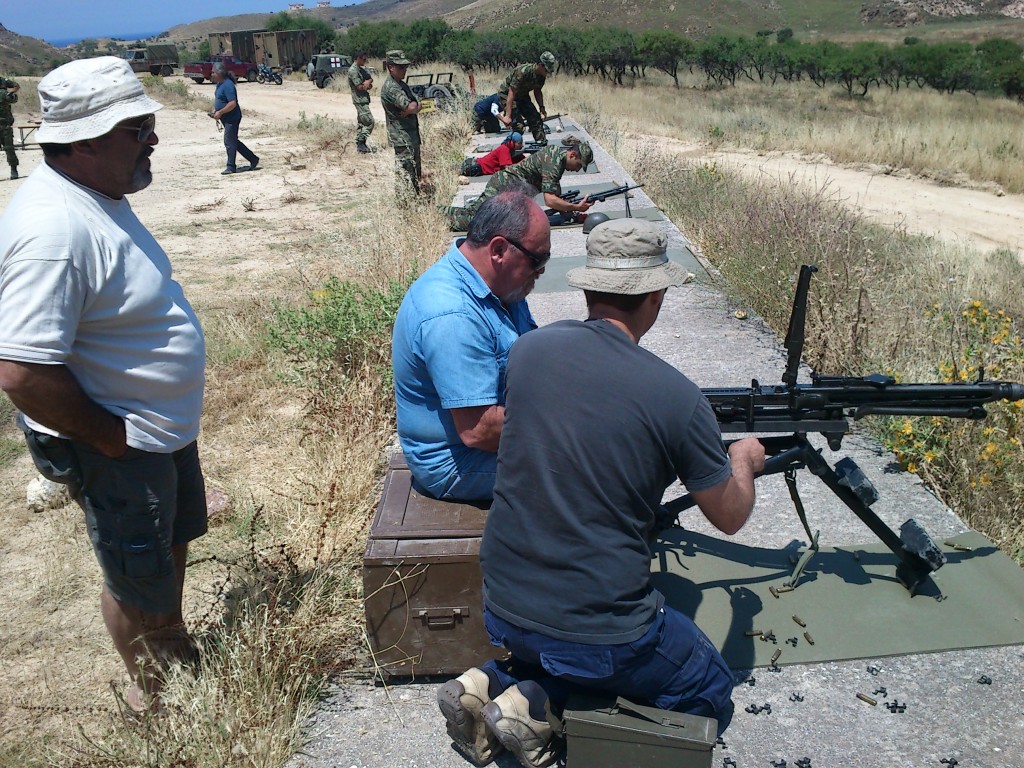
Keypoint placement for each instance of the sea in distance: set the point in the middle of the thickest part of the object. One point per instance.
(61, 42)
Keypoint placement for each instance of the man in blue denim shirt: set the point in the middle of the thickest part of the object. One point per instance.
(451, 341)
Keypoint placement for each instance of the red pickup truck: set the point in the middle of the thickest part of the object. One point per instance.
(201, 70)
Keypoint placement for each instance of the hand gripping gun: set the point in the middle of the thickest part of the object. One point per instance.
(560, 218)
(826, 406)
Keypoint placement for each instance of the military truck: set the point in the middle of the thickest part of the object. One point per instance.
(158, 59)
(437, 86)
(282, 50)
(324, 67)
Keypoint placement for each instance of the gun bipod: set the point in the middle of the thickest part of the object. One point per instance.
(918, 554)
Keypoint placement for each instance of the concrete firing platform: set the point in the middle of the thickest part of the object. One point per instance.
(814, 709)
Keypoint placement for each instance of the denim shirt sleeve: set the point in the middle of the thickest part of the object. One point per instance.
(465, 360)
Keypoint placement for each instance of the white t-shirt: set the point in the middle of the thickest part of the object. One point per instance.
(84, 284)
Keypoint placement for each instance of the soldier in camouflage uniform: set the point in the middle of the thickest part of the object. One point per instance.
(360, 83)
(543, 171)
(400, 108)
(8, 95)
(515, 92)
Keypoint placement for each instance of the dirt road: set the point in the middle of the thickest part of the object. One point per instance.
(984, 218)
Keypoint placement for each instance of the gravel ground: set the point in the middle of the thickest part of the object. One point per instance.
(949, 715)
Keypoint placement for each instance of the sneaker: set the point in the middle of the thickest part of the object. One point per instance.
(460, 701)
(541, 142)
(253, 164)
(532, 741)
(362, 149)
(227, 171)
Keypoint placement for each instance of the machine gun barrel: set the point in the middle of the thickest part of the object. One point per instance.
(828, 403)
(827, 406)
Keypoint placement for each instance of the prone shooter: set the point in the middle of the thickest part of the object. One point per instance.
(542, 170)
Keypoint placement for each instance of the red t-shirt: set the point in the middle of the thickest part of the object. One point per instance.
(498, 158)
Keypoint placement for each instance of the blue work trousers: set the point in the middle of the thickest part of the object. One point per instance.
(233, 145)
(672, 666)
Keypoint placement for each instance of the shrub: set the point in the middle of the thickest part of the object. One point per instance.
(342, 334)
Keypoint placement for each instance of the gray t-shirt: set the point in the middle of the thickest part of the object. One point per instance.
(596, 428)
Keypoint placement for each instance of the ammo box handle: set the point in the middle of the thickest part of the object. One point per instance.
(651, 714)
(442, 618)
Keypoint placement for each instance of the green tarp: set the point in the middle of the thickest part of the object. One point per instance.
(849, 599)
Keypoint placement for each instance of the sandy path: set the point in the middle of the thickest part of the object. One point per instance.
(985, 219)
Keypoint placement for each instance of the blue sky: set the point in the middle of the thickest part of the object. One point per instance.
(61, 19)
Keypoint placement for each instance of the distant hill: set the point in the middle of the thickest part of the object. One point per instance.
(840, 20)
(22, 55)
(809, 19)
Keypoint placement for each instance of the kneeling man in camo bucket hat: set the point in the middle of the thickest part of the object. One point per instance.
(595, 428)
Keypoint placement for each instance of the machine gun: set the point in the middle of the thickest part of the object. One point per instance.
(560, 218)
(826, 406)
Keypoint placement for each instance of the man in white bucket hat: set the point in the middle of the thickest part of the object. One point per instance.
(596, 428)
(104, 358)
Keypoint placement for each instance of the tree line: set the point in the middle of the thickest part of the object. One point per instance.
(993, 66)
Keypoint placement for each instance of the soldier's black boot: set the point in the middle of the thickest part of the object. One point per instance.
(362, 149)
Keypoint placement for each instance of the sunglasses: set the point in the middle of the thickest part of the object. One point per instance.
(538, 260)
(145, 129)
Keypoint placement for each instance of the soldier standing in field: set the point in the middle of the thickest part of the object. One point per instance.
(515, 93)
(8, 95)
(400, 109)
(360, 82)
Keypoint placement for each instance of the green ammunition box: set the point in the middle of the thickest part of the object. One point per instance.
(617, 733)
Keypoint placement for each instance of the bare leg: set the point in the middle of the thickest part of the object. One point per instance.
(147, 641)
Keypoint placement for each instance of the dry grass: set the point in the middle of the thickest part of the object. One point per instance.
(272, 592)
(957, 139)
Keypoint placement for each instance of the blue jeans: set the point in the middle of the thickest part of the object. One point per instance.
(673, 666)
(232, 144)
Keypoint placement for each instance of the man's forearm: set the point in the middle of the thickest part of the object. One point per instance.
(510, 100)
(50, 395)
(479, 427)
(555, 203)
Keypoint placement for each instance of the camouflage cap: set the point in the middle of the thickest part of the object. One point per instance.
(547, 59)
(396, 57)
(586, 153)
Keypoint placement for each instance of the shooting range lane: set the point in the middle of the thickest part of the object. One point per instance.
(814, 708)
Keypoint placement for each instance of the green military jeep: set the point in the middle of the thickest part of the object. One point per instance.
(324, 67)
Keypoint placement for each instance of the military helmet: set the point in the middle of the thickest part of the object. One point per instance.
(592, 220)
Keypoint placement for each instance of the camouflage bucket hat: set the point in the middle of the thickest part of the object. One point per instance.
(627, 257)
(396, 57)
(548, 60)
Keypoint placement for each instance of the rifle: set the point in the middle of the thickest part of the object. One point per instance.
(518, 123)
(560, 218)
(826, 406)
